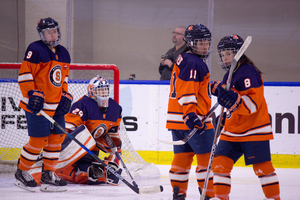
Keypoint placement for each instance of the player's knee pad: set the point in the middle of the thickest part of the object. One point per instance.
(37, 142)
(56, 138)
(265, 168)
(222, 165)
(202, 160)
(179, 157)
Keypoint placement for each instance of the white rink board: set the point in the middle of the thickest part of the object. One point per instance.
(148, 103)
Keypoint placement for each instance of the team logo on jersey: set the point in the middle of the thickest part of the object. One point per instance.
(99, 131)
(55, 76)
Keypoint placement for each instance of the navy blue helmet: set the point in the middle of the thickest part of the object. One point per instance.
(228, 45)
(198, 33)
(48, 23)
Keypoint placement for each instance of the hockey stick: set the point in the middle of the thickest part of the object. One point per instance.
(149, 190)
(218, 129)
(113, 147)
(184, 140)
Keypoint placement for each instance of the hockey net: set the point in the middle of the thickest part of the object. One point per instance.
(13, 134)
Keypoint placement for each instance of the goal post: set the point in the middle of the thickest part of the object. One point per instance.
(14, 134)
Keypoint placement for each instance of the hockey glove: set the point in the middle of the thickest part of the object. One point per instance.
(193, 121)
(222, 122)
(228, 99)
(36, 101)
(64, 104)
(110, 177)
(95, 171)
(99, 174)
(213, 87)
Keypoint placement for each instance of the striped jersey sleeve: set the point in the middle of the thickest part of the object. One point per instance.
(188, 91)
(250, 122)
(45, 71)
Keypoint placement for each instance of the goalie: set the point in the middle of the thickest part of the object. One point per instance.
(102, 116)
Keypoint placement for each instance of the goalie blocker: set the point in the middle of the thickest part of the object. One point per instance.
(84, 173)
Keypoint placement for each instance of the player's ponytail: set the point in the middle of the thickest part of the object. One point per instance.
(244, 60)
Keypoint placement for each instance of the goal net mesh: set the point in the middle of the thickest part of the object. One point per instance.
(14, 134)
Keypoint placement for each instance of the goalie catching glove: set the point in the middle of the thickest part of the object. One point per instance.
(193, 121)
(98, 174)
(228, 99)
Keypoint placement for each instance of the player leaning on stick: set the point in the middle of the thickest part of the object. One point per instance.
(43, 80)
(102, 116)
(247, 129)
(189, 101)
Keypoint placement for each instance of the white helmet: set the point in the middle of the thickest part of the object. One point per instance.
(98, 89)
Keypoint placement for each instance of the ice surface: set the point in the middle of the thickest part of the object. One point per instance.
(245, 186)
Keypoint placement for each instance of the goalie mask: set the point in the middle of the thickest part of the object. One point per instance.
(98, 89)
(48, 24)
(198, 39)
(227, 48)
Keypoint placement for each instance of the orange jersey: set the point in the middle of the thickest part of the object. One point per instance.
(45, 71)
(188, 91)
(250, 121)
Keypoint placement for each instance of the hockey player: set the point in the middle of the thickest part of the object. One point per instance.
(43, 80)
(247, 128)
(102, 116)
(189, 101)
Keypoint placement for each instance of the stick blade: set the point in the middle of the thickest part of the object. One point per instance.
(179, 142)
(151, 190)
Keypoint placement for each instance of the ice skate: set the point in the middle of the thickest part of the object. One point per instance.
(50, 182)
(176, 195)
(25, 181)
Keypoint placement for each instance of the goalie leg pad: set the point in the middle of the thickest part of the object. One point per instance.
(67, 173)
(71, 152)
(81, 177)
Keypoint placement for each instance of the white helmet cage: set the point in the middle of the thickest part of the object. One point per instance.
(227, 48)
(226, 64)
(98, 89)
(202, 53)
(195, 34)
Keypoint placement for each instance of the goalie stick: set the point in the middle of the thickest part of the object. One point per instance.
(184, 140)
(218, 128)
(148, 190)
(113, 147)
